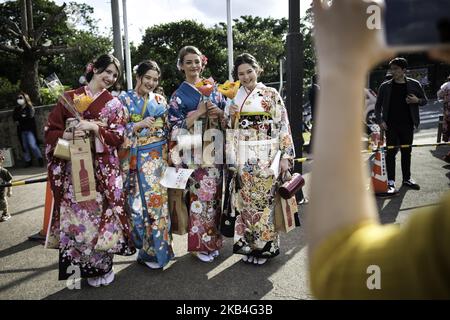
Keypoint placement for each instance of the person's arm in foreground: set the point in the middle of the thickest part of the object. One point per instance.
(345, 238)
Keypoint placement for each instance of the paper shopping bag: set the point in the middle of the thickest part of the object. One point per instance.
(285, 210)
(179, 216)
(83, 178)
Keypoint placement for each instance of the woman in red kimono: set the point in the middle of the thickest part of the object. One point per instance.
(89, 233)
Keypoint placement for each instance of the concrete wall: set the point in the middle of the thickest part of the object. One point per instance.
(8, 131)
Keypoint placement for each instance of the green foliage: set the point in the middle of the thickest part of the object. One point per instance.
(69, 67)
(265, 38)
(163, 42)
(49, 96)
(76, 28)
(8, 93)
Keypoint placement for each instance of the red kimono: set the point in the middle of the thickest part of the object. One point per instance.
(88, 234)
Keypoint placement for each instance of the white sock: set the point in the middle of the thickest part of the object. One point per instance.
(153, 265)
(108, 278)
(262, 261)
(95, 281)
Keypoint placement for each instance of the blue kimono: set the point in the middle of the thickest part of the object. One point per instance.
(205, 185)
(144, 160)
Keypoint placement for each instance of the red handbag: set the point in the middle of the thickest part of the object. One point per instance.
(292, 186)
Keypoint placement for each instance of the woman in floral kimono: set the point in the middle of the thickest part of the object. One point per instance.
(88, 233)
(259, 114)
(187, 106)
(144, 160)
(444, 94)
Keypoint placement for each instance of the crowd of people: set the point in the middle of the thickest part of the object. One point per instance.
(139, 132)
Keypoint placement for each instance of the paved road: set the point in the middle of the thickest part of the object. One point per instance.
(28, 271)
(429, 114)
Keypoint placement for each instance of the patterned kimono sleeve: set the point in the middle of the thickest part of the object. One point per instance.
(221, 102)
(226, 114)
(285, 135)
(219, 99)
(177, 114)
(114, 116)
(129, 127)
(54, 130)
(165, 116)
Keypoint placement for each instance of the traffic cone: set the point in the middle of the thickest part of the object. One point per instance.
(379, 176)
(41, 235)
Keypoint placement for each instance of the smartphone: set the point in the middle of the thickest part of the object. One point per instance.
(411, 25)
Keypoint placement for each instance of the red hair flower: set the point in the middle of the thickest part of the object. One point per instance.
(204, 60)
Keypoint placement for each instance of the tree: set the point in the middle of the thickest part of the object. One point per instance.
(262, 37)
(32, 35)
(309, 63)
(59, 39)
(163, 42)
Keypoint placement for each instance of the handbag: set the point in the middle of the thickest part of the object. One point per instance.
(178, 211)
(228, 218)
(62, 149)
(291, 186)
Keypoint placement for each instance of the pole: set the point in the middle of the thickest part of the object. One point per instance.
(295, 78)
(280, 90)
(30, 17)
(294, 60)
(117, 35)
(24, 15)
(230, 41)
(127, 47)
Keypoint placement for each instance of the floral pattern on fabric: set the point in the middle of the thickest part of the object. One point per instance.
(444, 94)
(144, 160)
(263, 130)
(205, 185)
(87, 234)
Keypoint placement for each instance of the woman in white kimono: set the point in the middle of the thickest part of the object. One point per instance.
(263, 136)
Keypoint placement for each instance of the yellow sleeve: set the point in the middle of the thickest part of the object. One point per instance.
(371, 261)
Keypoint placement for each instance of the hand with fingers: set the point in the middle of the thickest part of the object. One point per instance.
(146, 123)
(214, 111)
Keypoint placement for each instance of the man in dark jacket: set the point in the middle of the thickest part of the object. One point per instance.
(397, 112)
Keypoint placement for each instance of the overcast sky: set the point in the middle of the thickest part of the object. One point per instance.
(145, 13)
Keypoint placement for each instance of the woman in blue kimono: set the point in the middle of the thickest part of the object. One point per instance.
(188, 108)
(144, 159)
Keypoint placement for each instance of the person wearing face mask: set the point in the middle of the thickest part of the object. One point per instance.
(146, 141)
(187, 107)
(26, 128)
(89, 233)
(258, 112)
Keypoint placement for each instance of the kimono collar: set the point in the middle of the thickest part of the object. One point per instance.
(192, 86)
(258, 88)
(89, 92)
